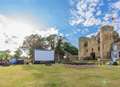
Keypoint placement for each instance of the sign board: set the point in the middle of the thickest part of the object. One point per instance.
(41, 55)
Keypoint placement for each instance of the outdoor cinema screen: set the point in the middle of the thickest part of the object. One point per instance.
(41, 55)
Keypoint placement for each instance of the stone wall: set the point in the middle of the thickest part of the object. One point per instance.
(100, 44)
(106, 40)
(87, 46)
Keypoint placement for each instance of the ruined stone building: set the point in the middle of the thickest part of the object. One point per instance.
(99, 45)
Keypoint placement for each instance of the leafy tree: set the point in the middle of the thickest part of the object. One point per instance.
(70, 48)
(34, 41)
(57, 43)
(31, 53)
(4, 55)
(18, 53)
(52, 41)
(59, 50)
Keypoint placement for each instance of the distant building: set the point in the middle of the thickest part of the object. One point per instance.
(99, 46)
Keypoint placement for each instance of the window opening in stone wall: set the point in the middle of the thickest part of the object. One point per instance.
(86, 44)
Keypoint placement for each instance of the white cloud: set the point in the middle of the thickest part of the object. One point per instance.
(91, 22)
(92, 34)
(98, 13)
(107, 17)
(117, 25)
(83, 13)
(90, 13)
(116, 15)
(48, 31)
(84, 31)
(13, 31)
(116, 5)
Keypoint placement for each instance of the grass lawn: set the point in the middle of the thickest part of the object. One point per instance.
(59, 76)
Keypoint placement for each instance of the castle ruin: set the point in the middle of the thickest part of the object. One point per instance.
(98, 46)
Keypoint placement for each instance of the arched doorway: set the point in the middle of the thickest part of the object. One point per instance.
(93, 55)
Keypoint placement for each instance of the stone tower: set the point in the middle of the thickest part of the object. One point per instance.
(106, 40)
(83, 47)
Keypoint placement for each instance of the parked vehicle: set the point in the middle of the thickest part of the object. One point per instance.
(16, 61)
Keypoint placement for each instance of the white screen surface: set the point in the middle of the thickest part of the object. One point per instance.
(41, 55)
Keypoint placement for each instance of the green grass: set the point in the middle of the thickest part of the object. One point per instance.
(59, 76)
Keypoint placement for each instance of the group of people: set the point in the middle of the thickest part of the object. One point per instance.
(4, 62)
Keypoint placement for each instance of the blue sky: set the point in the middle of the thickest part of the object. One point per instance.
(71, 18)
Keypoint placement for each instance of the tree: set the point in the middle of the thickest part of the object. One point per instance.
(59, 50)
(70, 48)
(34, 41)
(4, 55)
(18, 53)
(57, 43)
(52, 41)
